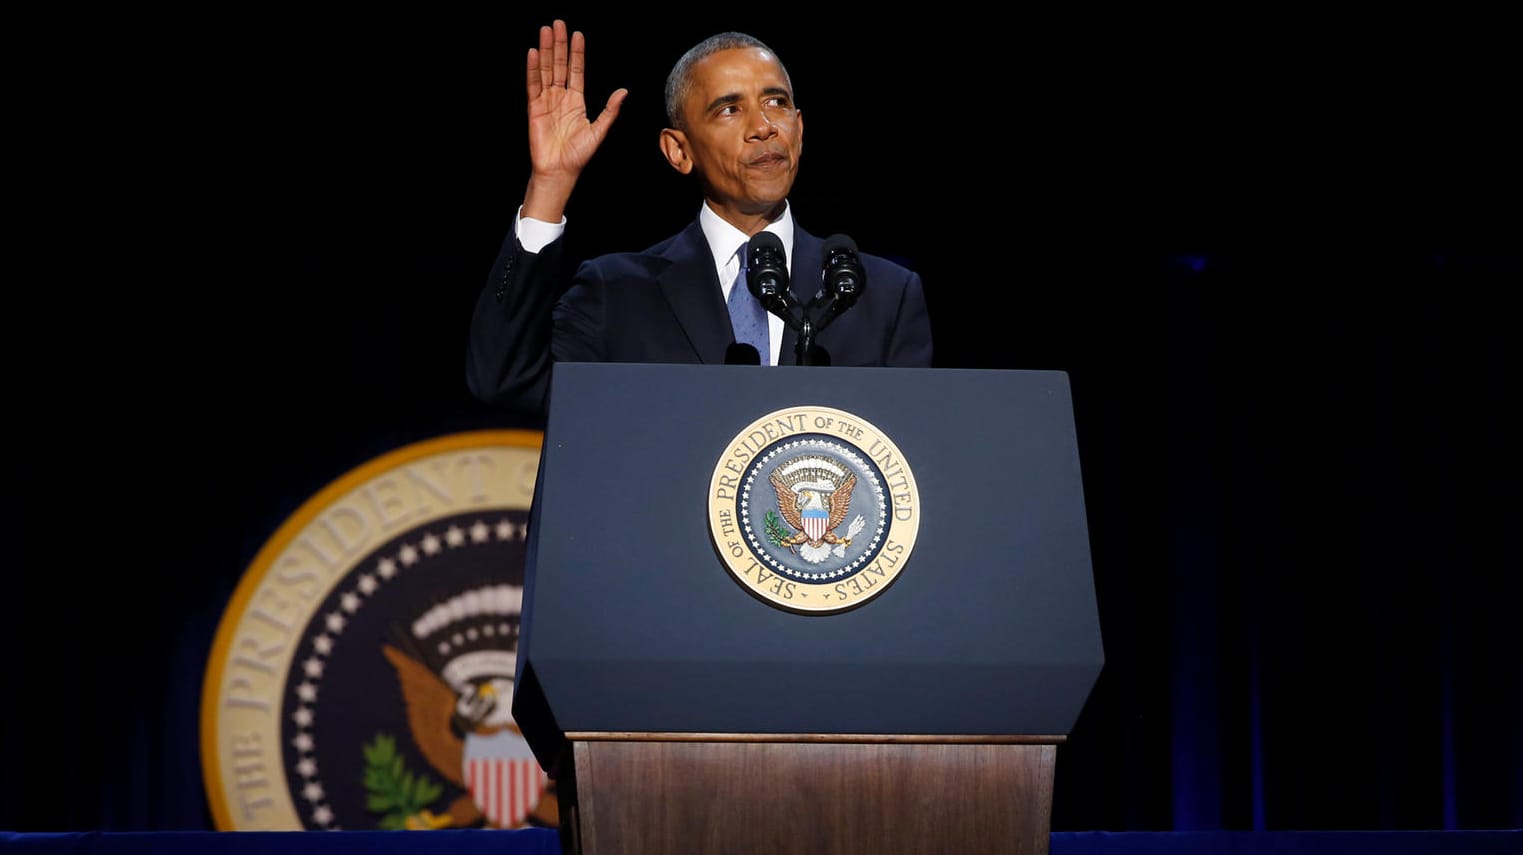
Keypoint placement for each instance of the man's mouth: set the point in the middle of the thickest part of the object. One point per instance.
(769, 159)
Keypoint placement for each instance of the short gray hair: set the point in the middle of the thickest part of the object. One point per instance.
(680, 81)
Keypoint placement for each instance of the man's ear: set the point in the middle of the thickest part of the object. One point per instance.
(674, 146)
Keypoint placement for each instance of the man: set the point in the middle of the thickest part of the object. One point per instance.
(735, 127)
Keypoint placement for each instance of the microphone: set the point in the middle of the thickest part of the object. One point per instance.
(843, 276)
(767, 276)
(740, 353)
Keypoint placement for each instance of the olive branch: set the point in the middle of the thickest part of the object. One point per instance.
(778, 535)
(395, 792)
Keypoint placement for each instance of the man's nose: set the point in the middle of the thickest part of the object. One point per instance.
(763, 127)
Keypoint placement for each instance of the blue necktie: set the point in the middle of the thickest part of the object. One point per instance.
(747, 317)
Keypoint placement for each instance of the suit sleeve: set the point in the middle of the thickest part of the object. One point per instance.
(909, 341)
(509, 347)
(522, 325)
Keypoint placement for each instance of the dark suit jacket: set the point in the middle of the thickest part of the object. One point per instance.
(665, 305)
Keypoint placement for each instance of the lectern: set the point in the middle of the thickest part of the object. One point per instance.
(793, 609)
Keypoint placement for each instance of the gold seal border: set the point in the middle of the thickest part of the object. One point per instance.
(902, 510)
(255, 575)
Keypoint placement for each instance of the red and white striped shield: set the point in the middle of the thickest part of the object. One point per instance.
(815, 522)
(505, 788)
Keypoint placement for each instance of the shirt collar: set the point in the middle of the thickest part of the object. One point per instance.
(724, 238)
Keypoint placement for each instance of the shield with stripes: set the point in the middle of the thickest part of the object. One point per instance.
(503, 777)
(816, 519)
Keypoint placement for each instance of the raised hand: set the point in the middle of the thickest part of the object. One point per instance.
(562, 139)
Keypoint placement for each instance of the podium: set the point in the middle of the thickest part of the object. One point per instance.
(714, 658)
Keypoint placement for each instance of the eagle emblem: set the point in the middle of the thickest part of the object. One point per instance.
(814, 498)
(458, 696)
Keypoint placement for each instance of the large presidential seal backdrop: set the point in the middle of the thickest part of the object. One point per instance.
(361, 676)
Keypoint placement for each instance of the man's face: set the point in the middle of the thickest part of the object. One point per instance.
(743, 134)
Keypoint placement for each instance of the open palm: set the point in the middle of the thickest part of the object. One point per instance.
(561, 137)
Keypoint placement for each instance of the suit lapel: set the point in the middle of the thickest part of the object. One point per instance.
(692, 290)
(693, 293)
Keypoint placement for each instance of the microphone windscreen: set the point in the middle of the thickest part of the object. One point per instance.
(838, 242)
(740, 353)
(764, 241)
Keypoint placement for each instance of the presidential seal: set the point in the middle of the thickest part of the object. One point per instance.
(362, 674)
(813, 509)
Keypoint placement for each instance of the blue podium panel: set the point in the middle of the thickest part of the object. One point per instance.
(633, 621)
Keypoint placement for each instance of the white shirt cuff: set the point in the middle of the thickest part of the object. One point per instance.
(534, 234)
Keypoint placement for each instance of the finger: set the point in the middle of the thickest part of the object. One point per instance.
(578, 62)
(610, 112)
(546, 56)
(535, 85)
(560, 53)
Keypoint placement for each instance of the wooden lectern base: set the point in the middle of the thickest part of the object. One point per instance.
(772, 794)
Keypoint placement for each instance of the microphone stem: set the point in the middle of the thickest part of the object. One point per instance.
(805, 342)
(780, 307)
(831, 314)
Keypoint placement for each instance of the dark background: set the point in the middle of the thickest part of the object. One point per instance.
(1277, 257)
